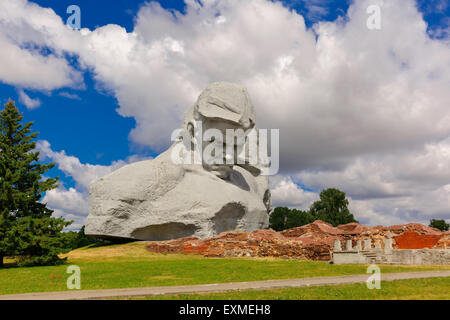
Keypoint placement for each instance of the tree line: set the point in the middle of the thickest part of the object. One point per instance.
(332, 208)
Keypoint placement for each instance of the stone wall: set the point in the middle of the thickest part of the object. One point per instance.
(367, 254)
(414, 240)
(313, 241)
(261, 243)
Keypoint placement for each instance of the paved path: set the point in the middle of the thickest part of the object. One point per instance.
(218, 287)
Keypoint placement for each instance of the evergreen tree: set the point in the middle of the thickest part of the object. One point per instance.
(83, 240)
(26, 226)
(74, 240)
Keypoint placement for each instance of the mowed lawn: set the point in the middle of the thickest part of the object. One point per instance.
(130, 265)
(414, 289)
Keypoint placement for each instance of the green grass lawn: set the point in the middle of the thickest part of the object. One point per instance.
(130, 265)
(415, 289)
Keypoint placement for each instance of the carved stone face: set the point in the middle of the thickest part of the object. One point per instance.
(224, 170)
(221, 106)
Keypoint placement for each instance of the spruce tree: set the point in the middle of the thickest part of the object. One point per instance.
(27, 229)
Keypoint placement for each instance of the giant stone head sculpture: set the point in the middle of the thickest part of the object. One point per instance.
(160, 200)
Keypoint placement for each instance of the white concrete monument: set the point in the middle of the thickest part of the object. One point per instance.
(358, 245)
(367, 244)
(388, 245)
(161, 199)
(348, 245)
(337, 245)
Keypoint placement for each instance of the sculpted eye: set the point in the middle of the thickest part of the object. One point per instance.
(212, 139)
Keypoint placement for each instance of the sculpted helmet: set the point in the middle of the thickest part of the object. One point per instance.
(224, 101)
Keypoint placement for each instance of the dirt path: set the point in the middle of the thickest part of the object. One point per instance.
(218, 287)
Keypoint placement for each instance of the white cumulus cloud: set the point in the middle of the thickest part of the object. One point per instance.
(73, 203)
(363, 110)
(27, 101)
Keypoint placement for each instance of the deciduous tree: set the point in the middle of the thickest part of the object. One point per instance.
(332, 208)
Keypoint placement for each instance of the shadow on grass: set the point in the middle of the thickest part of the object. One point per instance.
(9, 265)
(109, 242)
(99, 241)
(26, 262)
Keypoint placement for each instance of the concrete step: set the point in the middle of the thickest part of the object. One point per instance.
(370, 255)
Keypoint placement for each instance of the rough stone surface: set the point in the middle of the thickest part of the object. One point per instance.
(444, 241)
(161, 200)
(260, 243)
(408, 236)
(314, 241)
(396, 256)
(414, 240)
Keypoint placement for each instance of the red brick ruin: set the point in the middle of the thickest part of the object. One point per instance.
(313, 241)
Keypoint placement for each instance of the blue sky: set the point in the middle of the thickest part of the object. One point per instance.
(90, 127)
(83, 119)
